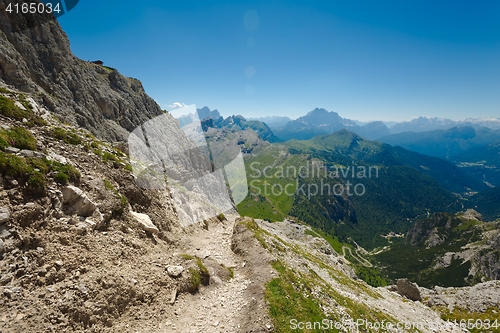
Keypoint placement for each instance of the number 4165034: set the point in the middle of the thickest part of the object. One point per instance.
(33, 8)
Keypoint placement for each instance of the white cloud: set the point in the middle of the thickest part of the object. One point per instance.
(176, 105)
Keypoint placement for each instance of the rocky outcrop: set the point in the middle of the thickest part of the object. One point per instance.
(38, 60)
(480, 297)
(462, 237)
(408, 289)
(486, 261)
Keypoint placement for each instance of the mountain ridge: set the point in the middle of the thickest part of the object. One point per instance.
(39, 61)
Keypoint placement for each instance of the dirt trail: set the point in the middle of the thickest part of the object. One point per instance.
(223, 305)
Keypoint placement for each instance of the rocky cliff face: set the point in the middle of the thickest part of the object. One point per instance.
(462, 238)
(38, 60)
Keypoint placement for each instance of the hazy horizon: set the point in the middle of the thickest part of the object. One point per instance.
(225, 115)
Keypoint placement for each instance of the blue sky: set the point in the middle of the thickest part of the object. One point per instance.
(366, 60)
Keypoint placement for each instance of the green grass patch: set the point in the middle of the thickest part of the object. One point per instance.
(287, 301)
(18, 137)
(9, 109)
(109, 69)
(195, 282)
(69, 137)
(98, 152)
(108, 185)
(34, 171)
(14, 166)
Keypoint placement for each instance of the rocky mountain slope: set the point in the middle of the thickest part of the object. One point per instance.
(446, 250)
(84, 249)
(319, 286)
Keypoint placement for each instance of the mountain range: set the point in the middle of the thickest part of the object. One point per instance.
(321, 121)
(444, 143)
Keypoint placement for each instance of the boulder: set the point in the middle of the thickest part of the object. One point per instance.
(4, 214)
(77, 202)
(145, 222)
(408, 289)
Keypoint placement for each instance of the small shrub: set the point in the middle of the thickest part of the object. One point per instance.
(61, 178)
(195, 280)
(198, 276)
(123, 199)
(221, 217)
(203, 269)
